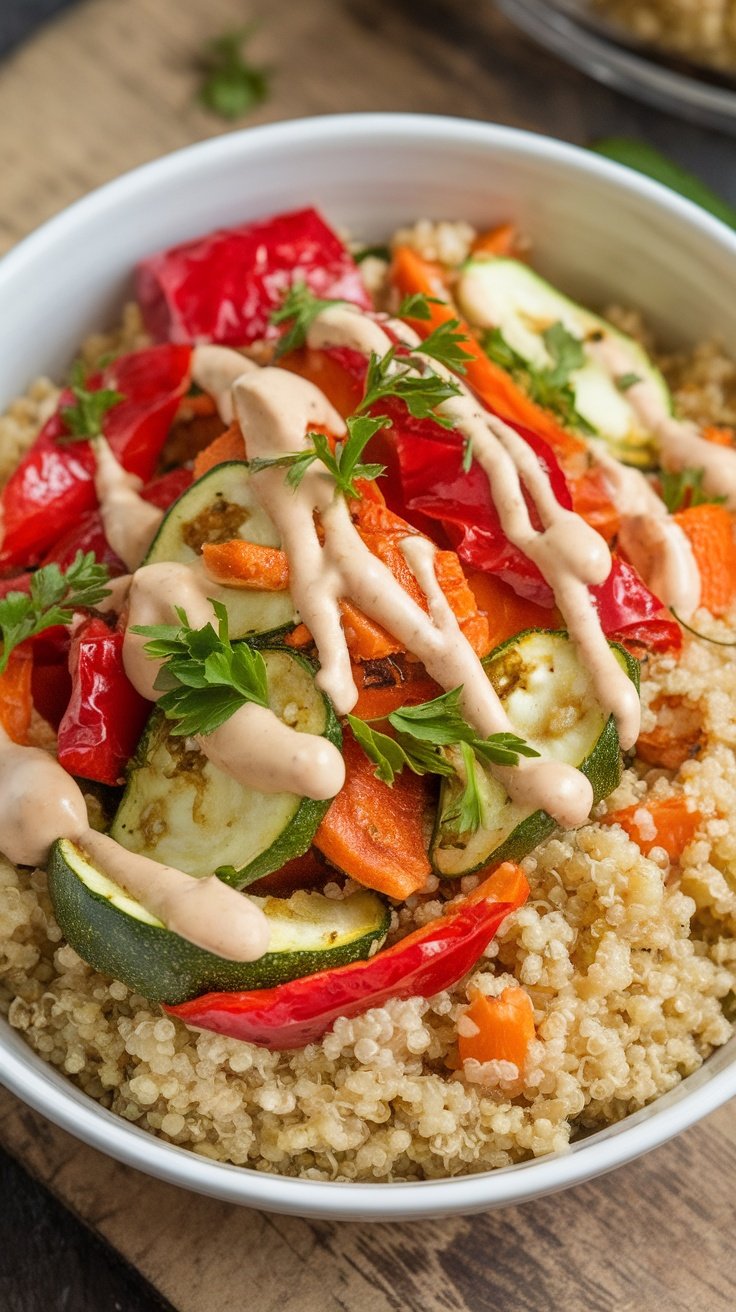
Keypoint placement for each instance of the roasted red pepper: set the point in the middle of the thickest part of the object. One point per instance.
(105, 717)
(88, 533)
(424, 963)
(436, 486)
(53, 486)
(223, 287)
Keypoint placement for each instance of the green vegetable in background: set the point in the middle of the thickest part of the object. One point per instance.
(231, 85)
(646, 159)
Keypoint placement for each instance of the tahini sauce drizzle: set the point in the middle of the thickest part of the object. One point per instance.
(40, 802)
(649, 536)
(569, 554)
(254, 746)
(680, 443)
(274, 409)
(130, 522)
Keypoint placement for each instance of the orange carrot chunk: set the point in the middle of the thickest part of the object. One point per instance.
(503, 240)
(497, 1029)
(663, 823)
(240, 564)
(710, 530)
(16, 701)
(375, 833)
(505, 611)
(228, 446)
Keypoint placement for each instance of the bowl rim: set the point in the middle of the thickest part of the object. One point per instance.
(42, 1086)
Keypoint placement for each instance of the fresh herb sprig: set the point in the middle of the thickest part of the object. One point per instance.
(231, 84)
(684, 487)
(299, 309)
(84, 418)
(434, 738)
(550, 385)
(390, 375)
(344, 464)
(52, 598)
(203, 677)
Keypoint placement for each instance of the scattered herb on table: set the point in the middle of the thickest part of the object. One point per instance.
(231, 84)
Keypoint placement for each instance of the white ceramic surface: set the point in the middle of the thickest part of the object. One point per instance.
(601, 231)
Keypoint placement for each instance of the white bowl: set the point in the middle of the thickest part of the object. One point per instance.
(602, 232)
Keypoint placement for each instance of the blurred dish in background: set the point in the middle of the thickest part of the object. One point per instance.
(673, 54)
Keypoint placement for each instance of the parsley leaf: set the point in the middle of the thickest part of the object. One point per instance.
(389, 376)
(84, 418)
(434, 738)
(445, 345)
(52, 598)
(685, 488)
(467, 812)
(566, 352)
(231, 86)
(625, 381)
(392, 755)
(416, 306)
(203, 677)
(550, 385)
(301, 307)
(343, 464)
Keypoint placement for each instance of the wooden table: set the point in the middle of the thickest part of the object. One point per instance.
(105, 87)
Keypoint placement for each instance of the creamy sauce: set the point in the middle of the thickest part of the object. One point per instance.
(569, 554)
(680, 443)
(215, 369)
(207, 912)
(260, 751)
(274, 409)
(130, 522)
(254, 746)
(40, 802)
(649, 536)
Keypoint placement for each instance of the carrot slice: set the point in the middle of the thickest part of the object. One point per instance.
(501, 240)
(384, 687)
(676, 736)
(240, 564)
(507, 883)
(342, 389)
(666, 823)
(590, 500)
(375, 833)
(16, 702)
(411, 274)
(710, 530)
(504, 1028)
(228, 446)
(720, 436)
(506, 612)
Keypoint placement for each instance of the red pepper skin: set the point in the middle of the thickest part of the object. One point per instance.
(631, 614)
(103, 722)
(53, 486)
(223, 287)
(88, 533)
(300, 1012)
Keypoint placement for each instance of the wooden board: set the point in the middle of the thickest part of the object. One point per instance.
(105, 87)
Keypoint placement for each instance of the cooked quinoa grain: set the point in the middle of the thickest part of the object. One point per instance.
(627, 959)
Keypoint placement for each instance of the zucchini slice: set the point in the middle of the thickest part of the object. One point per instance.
(220, 506)
(522, 305)
(548, 697)
(119, 937)
(181, 810)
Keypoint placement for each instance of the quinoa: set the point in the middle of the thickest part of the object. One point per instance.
(703, 30)
(629, 960)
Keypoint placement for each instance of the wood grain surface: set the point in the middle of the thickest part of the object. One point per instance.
(107, 86)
